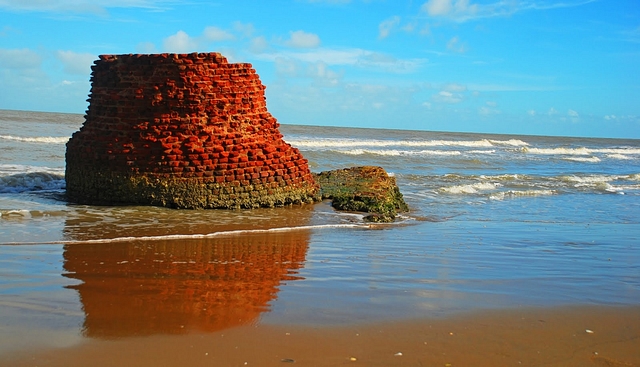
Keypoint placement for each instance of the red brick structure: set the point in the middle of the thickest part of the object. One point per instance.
(184, 131)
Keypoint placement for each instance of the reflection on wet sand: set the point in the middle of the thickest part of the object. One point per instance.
(176, 286)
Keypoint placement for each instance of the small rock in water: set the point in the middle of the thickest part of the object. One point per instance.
(589, 331)
(287, 360)
(399, 354)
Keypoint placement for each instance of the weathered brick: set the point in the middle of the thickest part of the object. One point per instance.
(193, 116)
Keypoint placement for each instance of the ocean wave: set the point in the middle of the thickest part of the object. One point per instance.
(615, 152)
(31, 181)
(328, 143)
(482, 151)
(505, 177)
(396, 153)
(510, 142)
(520, 193)
(619, 156)
(37, 139)
(514, 185)
(15, 213)
(583, 159)
(595, 179)
(557, 151)
(470, 188)
(603, 183)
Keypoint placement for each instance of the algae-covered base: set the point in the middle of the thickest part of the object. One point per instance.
(98, 188)
(363, 189)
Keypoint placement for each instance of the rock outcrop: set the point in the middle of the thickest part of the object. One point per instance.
(363, 189)
(182, 131)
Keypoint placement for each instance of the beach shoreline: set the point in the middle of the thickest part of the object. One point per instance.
(555, 336)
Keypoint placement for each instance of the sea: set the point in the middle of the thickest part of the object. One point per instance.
(495, 222)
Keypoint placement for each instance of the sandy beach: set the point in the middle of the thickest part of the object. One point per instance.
(517, 250)
(570, 336)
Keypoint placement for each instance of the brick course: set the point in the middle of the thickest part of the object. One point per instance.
(184, 131)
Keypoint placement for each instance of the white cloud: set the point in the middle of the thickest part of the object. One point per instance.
(321, 72)
(245, 29)
(215, 34)
(258, 45)
(19, 59)
(437, 7)
(454, 87)
(552, 111)
(455, 45)
(573, 115)
(146, 48)
(385, 28)
(532, 112)
(302, 39)
(180, 42)
(448, 97)
(450, 8)
(350, 57)
(464, 10)
(76, 63)
(98, 7)
(488, 110)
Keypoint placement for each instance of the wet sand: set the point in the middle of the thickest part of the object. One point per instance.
(570, 336)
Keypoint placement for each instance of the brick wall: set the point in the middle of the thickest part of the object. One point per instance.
(182, 130)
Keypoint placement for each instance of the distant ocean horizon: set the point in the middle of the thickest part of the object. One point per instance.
(496, 221)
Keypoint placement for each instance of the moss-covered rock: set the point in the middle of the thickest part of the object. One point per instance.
(363, 189)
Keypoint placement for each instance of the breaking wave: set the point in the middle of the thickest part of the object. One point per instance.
(326, 143)
(31, 181)
(37, 139)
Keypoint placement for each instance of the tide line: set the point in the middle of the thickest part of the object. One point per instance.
(192, 236)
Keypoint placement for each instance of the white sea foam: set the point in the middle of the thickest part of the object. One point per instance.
(520, 193)
(557, 151)
(363, 143)
(619, 156)
(37, 139)
(470, 188)
(616, 153)
(199, 236)
(396, 153)
(624, 151)
(584, 159)
(17, 213)
(482, 151)
(591, 179)
(505, 177)
(31, 181)
(510, 142)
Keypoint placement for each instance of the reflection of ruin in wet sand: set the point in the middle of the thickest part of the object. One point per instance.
(175, 286)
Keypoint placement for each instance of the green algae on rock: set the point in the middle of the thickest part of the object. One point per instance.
(363, 189)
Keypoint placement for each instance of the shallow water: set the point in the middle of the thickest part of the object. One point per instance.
(495, 222)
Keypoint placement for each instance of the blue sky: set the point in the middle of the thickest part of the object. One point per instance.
(545, 67)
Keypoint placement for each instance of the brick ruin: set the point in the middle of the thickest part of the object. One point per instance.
(183, 131)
